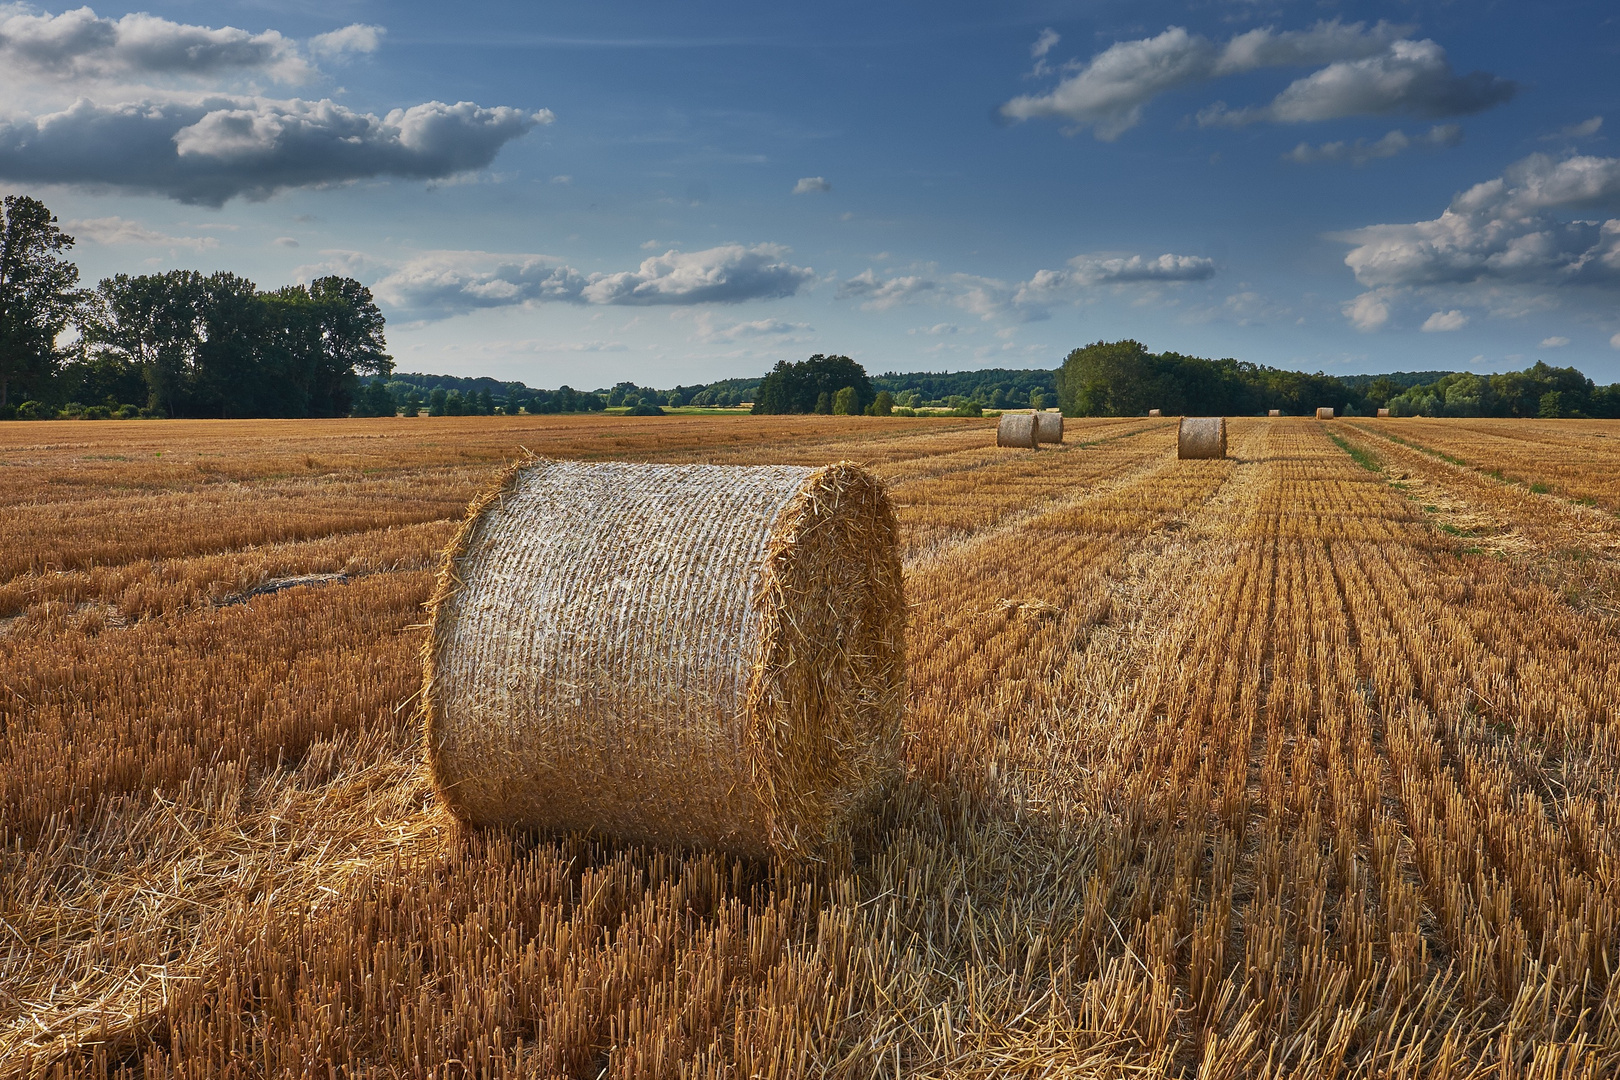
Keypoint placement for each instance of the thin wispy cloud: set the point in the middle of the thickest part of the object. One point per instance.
(1361, 151)
(118, 230)
(441, 284)
(1026, 300)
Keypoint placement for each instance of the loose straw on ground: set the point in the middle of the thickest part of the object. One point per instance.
(683, 655)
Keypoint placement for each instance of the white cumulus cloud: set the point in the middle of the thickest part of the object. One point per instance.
(1108, 92)
(215, 148)
(1614, 342)
(810, 184)
(1444, 321)
(1516, 229)
(355, 38)
(80, 45)
(1555, 342)
(440, 284)
(1409, 76)
(1367, 312)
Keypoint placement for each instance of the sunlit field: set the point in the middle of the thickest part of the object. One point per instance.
(1298, 763)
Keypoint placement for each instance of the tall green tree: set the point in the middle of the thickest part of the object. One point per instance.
(38, 294)
(217, 346)
(151, 323)
(800, 387)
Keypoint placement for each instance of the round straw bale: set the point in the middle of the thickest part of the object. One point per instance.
(1201, 437)
(1049, 427)
(1383, 412)
(1324, 413)
(1155, 412)
(1273, 412)
(681, 655)
(1017, 429)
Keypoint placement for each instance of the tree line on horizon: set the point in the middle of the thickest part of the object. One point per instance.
(184, 344)
(1121, 378)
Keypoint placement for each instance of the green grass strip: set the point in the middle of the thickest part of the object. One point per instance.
(1362, 457)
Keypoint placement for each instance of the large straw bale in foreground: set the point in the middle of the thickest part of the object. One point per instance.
(1324, 413)
(1017, 429)
(1201, 437)
(675, 654)
(1049, 427)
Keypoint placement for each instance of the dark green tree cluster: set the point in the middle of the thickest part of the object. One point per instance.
(1121, 378)
(446, 395)
(1539, 390)
(173, 344)
(216, 346)
(991, 388)
(633, 396)
(821, 384)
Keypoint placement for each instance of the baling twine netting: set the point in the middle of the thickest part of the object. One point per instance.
(686, 655)
(1201, 437)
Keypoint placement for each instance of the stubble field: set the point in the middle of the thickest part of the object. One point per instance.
(1299, 763)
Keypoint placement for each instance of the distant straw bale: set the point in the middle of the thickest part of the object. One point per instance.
(1324, 413)
(1273, 412)
(1155, 412)
(1017, 429)
(682, 655)
(1383, 412)
(1201, 437)
(1049, 427)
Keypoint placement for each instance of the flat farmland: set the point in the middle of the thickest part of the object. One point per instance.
(1298, 763)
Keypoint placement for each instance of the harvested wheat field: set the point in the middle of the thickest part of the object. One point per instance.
(1293, 763)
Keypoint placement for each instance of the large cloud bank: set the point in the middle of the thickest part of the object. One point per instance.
(1368, 71)
(1526, 227)
(441, 284)
(143, 104)
(213, 149)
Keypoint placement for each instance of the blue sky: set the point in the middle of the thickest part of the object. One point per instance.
(677, 193)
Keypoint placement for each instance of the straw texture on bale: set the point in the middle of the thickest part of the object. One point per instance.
(1383, 412)
(1274, 412)
(1324, 413)
(682, 655)
(1017, 429)
(1049, 427)
(1155, 412)
(1201, 437)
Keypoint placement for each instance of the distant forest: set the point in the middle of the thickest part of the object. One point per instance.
(1121, 378)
